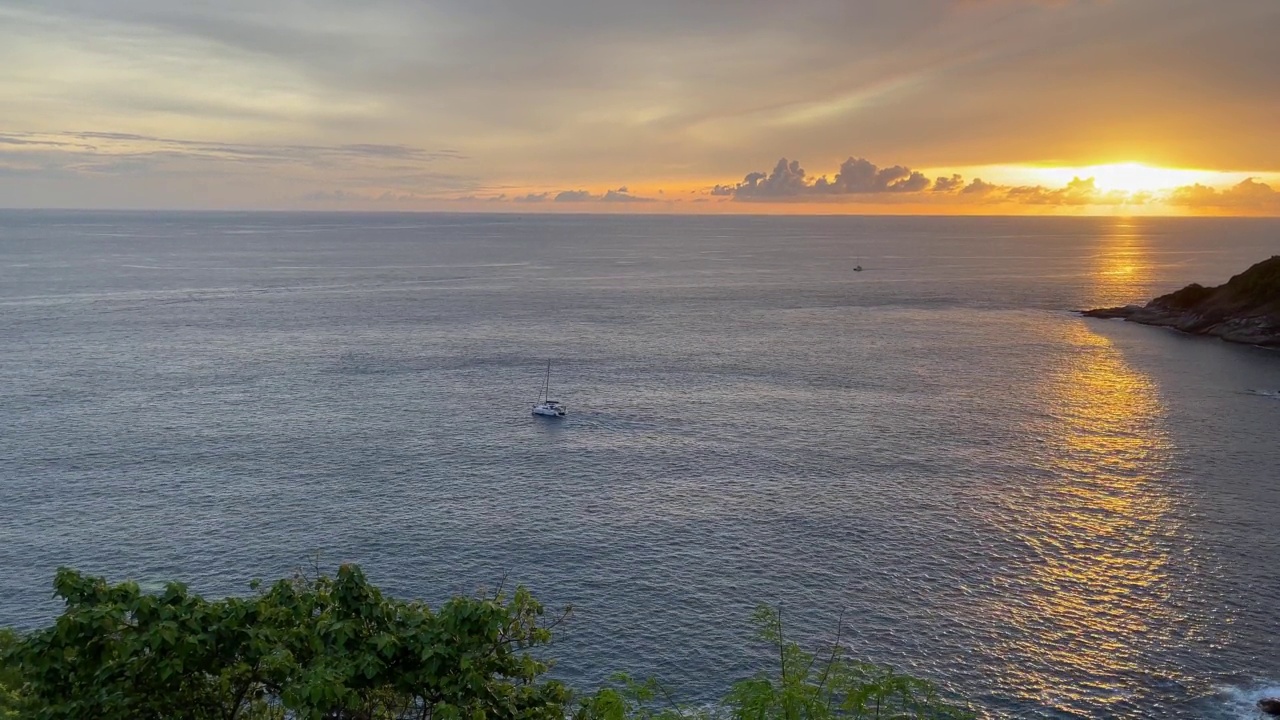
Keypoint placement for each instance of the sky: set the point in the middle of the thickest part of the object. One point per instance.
(807, 106)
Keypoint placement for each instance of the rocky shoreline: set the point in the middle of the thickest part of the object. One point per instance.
(1246, 309)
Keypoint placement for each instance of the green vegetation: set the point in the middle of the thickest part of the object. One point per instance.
(335, 648)
(806, 686)
(10, 678)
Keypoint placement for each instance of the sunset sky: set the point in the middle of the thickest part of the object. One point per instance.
(831, 106)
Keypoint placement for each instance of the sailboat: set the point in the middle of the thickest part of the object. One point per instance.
(545, 406)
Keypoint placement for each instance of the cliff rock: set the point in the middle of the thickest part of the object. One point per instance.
(1245, 309)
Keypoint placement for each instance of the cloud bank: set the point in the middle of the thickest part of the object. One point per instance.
(1248, 194)
(561, 93)
(101, 168)
(619, 195)
(860, 180)
(379, 174)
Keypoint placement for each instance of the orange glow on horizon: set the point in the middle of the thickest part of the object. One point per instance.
(1125, 189)
(1134, 177)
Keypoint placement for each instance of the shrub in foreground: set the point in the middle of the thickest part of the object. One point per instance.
(335, 648)
(804, 686)
(332, 647)
(10, 679)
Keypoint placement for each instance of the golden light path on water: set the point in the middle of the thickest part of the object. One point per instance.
(1092, 597)
(1122, 269)
(1085, 603)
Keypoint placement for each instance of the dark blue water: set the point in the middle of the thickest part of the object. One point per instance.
(1053, 516)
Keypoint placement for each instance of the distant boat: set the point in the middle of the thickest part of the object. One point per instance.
(857, 268)
(546, 407)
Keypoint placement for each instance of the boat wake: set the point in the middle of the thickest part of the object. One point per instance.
(1264, 393)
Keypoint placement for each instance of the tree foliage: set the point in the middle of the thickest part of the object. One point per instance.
(334, 648)
(331, 648)
(10, 676)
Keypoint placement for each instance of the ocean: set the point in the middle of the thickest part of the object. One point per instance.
(1052, 516)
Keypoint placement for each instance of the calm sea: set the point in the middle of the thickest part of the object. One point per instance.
(1055, 517)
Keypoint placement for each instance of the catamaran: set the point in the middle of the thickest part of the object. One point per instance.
(545, 406)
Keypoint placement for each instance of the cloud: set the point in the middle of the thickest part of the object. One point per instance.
(951, 184)
(861, 176)
(98, 151)
(1079, 192)
(561, 91)
(1249, 194)
(246, 151)
(209, 173)
(857, 176)
(621, 195)
(978, 187)
(329, 196)
(390, 196)
(860, 180)
(31, 139)
(786, 180)
(1076, 192)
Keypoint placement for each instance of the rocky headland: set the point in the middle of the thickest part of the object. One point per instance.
(1246, 309)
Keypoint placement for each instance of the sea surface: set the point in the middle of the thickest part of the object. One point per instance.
(1054, 517)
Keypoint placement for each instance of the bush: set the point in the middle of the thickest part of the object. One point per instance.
(10, 677)
(805, 686)
(331, 648)
(334, 648)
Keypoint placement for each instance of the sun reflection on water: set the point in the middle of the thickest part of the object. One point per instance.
(1088, 596)
(1122, 271)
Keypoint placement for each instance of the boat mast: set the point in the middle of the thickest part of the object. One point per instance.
(546, 385)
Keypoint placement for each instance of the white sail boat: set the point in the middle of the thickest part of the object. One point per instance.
(545, 406)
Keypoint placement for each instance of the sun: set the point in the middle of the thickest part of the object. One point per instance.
(1130, 177)
(1136, 177)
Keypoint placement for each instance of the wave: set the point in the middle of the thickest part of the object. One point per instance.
(1242, 702)
(1264, 393)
